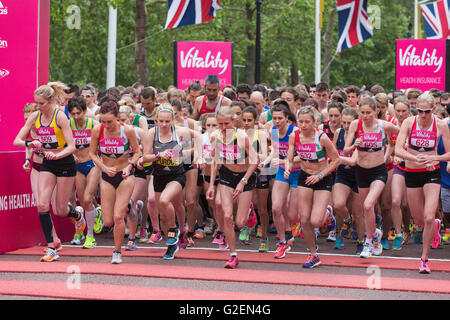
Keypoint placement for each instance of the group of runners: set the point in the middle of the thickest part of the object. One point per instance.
(299, 161)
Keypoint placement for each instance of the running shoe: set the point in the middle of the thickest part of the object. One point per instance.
(354, 234)
(218, 239)
(424, 267)
(80, 225)
(398, 240)
(295, 229)
(259, 232)
(437, 234)
(244, 234)
(143, 235)
(272, 229)
(232, 263)
(345, 231)
(89, 243)
(77, 238)
(131, 245)
(289, 238)
(190, 242)
(385, 243)
(209, 226)
(199, 233)
(182, 240)
(418, 235)
(263, 245)
(224, 244)
(339, 243)
(391, 235)
(155, 237)
(446, 235)
(98, 222)
(376, 243)
(331, 220)
(172, 236)
(331, 236)
(170, 253)
(252, 216)
(311, 262)
(282, 249)
(50, 255)
(359, 247)
(116, 257)
(367, 250)
(406, 237)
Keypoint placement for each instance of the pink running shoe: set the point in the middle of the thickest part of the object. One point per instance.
(252, 216)
(224, 244)
(437, 234)
(218, 239)
(424, 267)
(155, 237)
(232, 263)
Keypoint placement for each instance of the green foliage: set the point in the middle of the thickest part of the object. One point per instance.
(287, 39)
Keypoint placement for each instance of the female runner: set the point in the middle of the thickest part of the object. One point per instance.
(231, 147)
(88, 175)
(420, 136)
(58, 169)
(315, 180)
(114, 139)
(371, 173)
(284, 201)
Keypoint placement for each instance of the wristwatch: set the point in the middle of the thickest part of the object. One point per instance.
(244, 180)
(320, 175)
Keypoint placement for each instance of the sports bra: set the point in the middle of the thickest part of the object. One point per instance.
(371, 141)
(282, 145)
(230, 152)
(310, 152)
(423, 140)
(82, 137)
(114, 147)
(327, 130)
(51, 136)
(204, 109)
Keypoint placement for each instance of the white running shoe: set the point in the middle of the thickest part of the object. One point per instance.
(376, 243)
(367, 250)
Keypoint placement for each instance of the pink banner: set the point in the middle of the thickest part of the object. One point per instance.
(24, 57)
(19, 218)
(421, 64)
(195, 60)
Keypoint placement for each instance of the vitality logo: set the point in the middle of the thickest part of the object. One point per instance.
(3, 44)
(3, 9)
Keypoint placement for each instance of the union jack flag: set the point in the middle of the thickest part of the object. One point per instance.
(185, 12)
(354, 23)
(437, 19)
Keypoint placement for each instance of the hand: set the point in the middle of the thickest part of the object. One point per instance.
(261, 165)
(35, 144)
(423, 159)
(358, 142)
(396, 161)
(210, 193)
(49, 155)
(110, 171)
(26, 165)
(287, 173)
(239, 189)
(139, 163)
(275, 162)
(313, 179)
(126, 171)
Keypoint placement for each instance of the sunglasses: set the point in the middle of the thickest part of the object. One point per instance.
(445, 105)
(424, 111)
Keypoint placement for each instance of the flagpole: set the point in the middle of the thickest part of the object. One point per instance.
(112, 38)
(416, 19)
(318, 47)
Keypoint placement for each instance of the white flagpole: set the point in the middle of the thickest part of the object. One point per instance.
(416, 19)
(112, 38)
(318, 47)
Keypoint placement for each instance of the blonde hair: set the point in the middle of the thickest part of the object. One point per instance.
(382, 98)
(129, 102)
(426, 98)
(126, 109)
(225, 112)
(52, 92)
(165, 107)
(29, 108)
